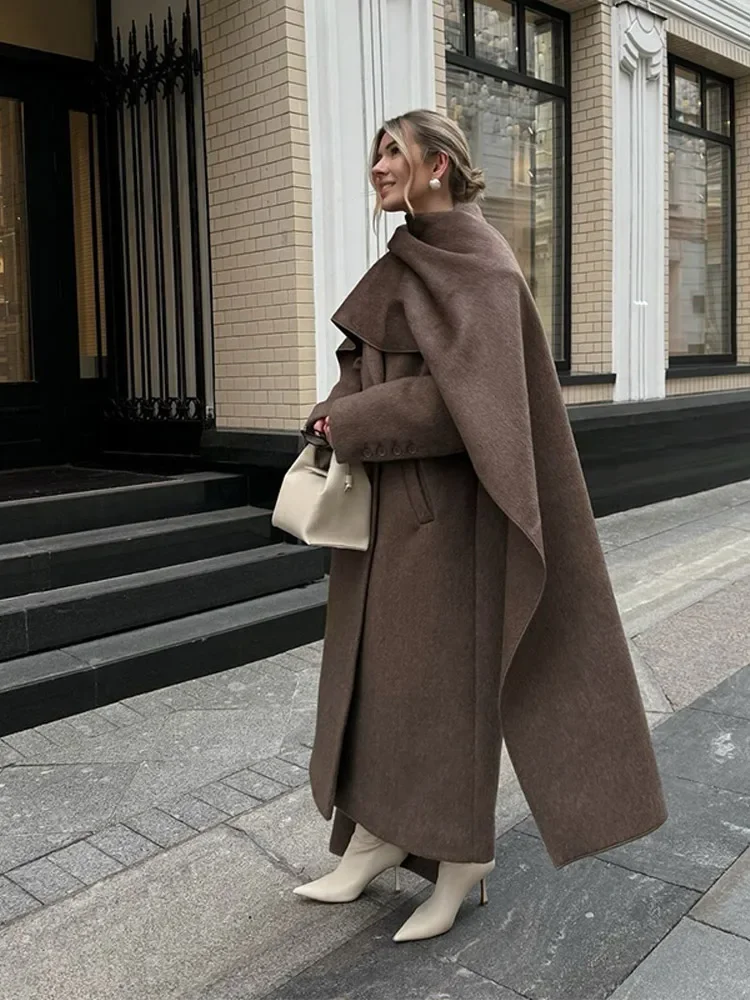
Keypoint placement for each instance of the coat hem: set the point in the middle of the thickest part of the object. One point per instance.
(416, 852)
(610, 847)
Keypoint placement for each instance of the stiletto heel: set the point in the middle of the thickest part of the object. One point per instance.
(438, 914)
(397, 879)
(365, 858)
(483, 897)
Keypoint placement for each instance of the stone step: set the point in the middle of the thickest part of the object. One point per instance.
(51, 685)
(58, 618)
(66, 560)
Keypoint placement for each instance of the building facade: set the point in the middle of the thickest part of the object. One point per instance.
(182, 217)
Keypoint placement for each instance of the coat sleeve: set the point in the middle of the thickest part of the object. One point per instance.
(402, 419)
(349, 357)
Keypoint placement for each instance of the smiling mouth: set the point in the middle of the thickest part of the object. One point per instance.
(386, 187)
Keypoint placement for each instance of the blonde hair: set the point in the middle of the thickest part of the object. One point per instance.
(433, 133)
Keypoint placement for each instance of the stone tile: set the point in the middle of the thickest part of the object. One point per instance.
(311, 655)
(294, 664)
(164, 830)
(373, 968)
(229, 800)
(147, 705)
(511, 805)
(692, 963)
(85, 862)
(57, 799)
(180, 697)
(195, 813)
(727, 905)
(298, 755)
(91, 724)
(656, 718)
(124, 845)
(8, 755)
(282, 771)
(234, 736)
(684, 546)
(157, 782)
(19, 849)
(173, 925)
(712, 749)
(302, 718)
(61, 734)
(654, 699)
(707, 829)
(557, 928)
(14, 902)
(292, 830)
(29, 744)
(657, 599)
(242, 687)
(628, 527)
(732, 697)
(696, 649)
(119, 715)
(255, 785)
(44, 880)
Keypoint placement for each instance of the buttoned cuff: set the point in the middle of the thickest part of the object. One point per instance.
(352, 443)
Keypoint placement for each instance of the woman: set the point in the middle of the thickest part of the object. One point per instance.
(483, 609)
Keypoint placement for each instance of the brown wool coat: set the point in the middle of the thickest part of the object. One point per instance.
(483, 609)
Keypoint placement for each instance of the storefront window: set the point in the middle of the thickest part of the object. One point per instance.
(87, 215)
(15, 324)
(507, 91)
(701, 223)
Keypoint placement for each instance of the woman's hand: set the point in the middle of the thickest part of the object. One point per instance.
(323, 427)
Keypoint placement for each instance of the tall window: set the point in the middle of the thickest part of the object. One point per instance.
(701, 217)
(508, 81)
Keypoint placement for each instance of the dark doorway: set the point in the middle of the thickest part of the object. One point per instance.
(53, 351)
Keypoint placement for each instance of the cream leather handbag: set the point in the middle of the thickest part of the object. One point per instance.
(329, 507)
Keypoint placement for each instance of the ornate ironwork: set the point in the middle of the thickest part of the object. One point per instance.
(162, 330)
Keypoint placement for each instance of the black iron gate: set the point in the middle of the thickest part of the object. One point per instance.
(155, 216)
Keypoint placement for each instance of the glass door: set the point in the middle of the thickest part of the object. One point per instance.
(52, 316)
(16, 362)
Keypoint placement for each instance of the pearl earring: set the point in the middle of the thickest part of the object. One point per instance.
(435, 184)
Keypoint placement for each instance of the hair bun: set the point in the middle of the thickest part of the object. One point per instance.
(475, 183)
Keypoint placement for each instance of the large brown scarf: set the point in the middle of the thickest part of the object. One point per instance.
(570, 709)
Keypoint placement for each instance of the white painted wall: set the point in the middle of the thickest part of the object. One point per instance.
(639, 65)
(367, 60)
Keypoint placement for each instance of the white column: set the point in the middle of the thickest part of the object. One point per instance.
(366, 61)
(639, 47)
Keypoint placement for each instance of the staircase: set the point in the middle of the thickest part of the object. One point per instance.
(109, 593)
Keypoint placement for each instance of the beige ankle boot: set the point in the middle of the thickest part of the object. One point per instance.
(365, 858)
(438, 914)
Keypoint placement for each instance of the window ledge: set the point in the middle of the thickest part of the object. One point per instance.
(595, 378)
(706, 370)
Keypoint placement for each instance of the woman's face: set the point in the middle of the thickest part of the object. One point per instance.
(392, 172)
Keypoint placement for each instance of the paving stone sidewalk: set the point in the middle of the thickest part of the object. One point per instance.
(149, 848)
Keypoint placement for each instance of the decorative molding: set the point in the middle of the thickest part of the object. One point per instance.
(366, 61)
(728, 19)
(639, 40)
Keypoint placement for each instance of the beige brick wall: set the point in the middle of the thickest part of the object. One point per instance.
(591, 258)
(698, 45)
(742, 140)
(716, 383)
(441, 90)
(577, 394)
(260, 215)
